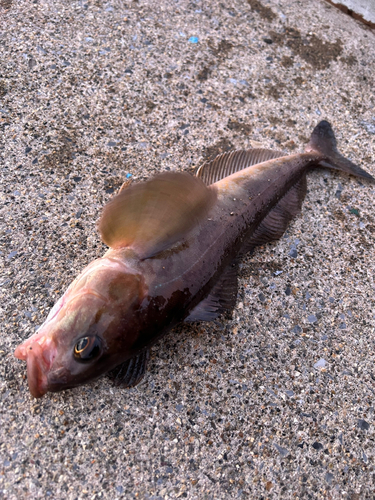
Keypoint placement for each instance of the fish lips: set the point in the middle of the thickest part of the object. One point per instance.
(39, 358)
(42, 377)
(36, 371)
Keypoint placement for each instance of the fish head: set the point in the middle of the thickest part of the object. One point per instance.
(90, 330)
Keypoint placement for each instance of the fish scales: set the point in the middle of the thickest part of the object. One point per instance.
(175, 241)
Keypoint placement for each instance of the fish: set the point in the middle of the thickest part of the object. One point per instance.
(175, 242)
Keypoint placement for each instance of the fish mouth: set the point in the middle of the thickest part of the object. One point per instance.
(39, 357)
(36, 373)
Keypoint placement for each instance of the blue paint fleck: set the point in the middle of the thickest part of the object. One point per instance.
(193, 39)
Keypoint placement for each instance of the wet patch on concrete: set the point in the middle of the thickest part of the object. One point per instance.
(309, 47)
(220, 53)
(265, 12)
(221, 146)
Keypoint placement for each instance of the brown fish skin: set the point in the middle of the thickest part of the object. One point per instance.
(123, 303)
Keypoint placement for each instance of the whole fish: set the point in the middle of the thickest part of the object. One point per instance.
(175, 242)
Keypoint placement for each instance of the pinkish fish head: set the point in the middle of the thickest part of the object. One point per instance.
(83, 336)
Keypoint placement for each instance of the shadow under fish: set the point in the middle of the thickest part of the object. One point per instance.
(175, 243)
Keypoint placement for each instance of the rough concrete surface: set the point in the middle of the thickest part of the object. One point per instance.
(277, 402)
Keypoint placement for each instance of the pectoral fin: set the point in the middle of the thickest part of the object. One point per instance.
(131, 372)
(221, 299)
(154, 215)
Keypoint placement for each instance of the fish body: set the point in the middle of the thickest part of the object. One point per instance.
(175, 242)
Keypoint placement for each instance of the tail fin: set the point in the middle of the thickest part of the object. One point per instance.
(323, 141)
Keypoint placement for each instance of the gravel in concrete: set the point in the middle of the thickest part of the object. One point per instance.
(277, 402)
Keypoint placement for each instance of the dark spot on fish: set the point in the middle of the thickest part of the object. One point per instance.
(264, 12)
(171, 251)
(310, 48)
(98, 315)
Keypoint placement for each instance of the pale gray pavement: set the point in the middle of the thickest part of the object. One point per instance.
(277, 402)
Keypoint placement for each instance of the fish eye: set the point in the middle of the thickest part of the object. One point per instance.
(87, 348)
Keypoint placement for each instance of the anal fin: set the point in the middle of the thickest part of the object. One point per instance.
(131, 372)
(275, 223)
(222, 298)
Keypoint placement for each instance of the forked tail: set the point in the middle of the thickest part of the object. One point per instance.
(323, 141)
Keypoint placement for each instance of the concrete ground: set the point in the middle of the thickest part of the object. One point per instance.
(277, 402)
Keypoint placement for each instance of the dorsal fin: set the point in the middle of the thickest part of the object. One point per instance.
(228, 163)
(154, 215)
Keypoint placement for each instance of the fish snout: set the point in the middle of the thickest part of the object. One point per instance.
(39, 355)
